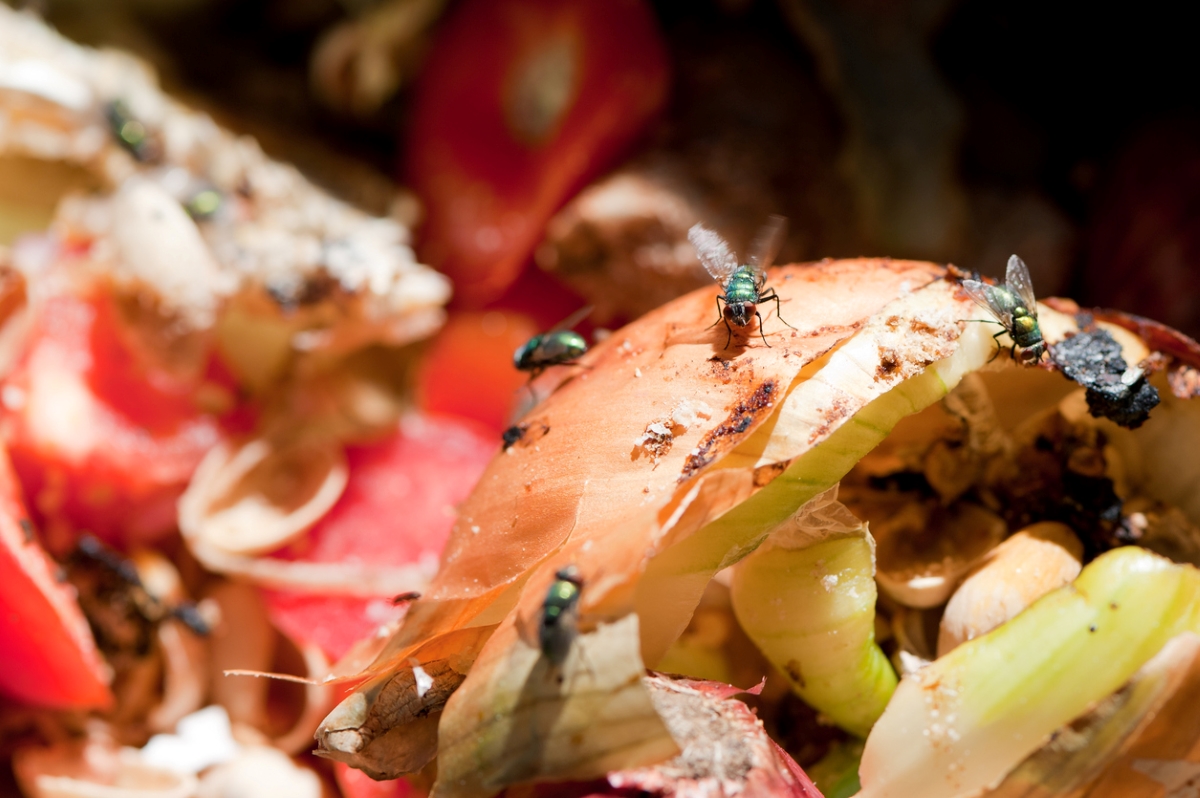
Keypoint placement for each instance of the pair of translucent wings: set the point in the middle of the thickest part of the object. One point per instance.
(1016, 280)
(718, 259)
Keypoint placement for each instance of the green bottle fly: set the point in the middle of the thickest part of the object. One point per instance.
(743, 285)
(560, 346)
(1014, 307)
(560, 615)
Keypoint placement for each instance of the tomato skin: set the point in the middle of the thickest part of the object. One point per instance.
(96, 443)
(396, 510)
(469, 372)
(49, 657)
(520, 103)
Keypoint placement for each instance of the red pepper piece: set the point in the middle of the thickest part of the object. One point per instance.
(99, 442)
(469, 372)
(519, 105)
(50, 658)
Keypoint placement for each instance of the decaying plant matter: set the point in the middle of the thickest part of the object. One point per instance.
(886, 388)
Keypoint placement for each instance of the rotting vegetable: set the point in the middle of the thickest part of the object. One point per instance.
(883, 388)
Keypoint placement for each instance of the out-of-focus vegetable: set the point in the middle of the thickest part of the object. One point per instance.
(807, 597)
(519, 103)
(964, 721)
(93, 768)
(356, 784)
(254, 769)
(334, 576)
(102, 439)
(468, 369)
(306, 271)
(49, 655)
(359, 64)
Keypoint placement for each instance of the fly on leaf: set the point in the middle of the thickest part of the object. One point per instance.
(1014, 306)
(742, 285)
(560, 615)
(560, 346)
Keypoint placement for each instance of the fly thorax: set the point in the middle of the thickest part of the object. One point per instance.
(523, 357)
(1023, 324)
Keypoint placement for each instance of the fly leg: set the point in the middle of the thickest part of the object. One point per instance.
(722, 318)
(772, 295)
(999, 348)
(760, 328)
(720, 314)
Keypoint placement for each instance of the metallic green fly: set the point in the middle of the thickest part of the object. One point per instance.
(741, 284)
(558, 347)
(560, 615)
(1014, 307)
(130, 132)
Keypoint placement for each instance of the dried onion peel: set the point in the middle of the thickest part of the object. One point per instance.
(877, 341)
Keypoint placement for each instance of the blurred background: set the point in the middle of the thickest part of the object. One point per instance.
(952, 130)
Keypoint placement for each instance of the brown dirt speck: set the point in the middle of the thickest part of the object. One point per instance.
(889, 363)
(729, 432)
(793, 671)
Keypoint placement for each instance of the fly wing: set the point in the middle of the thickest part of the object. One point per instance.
(766, 244)
(1017, 278)
(985, 295)
(713, 252)
(573, 319)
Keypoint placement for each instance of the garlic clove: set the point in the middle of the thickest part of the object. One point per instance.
(1022, 569)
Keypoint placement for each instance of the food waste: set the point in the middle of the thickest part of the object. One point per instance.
(868, 527)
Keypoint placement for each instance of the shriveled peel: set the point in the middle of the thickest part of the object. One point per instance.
(576, 722)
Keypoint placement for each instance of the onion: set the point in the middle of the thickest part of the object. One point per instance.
(95, 769)
(877, 343)
(260, 496)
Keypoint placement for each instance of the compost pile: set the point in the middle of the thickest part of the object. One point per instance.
(278, 515)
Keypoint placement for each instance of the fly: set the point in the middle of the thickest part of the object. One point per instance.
(130, 132)
(1014, 306)
(560, 346)
(741, 284)
(560, 615)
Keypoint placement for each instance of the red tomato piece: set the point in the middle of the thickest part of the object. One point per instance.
(98, 442)
(49, 657)
(469, 372)
(521, 103)
(396, 510)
